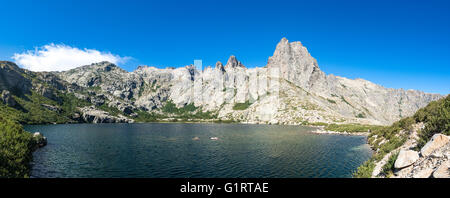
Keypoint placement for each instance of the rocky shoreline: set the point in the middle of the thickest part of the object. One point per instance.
(321, 130)
(431, 161)
(39, 140)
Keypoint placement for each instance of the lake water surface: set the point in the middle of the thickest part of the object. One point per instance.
(170, 150)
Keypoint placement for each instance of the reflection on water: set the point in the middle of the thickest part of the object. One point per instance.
(186, 150)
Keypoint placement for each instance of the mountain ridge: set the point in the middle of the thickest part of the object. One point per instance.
(290, 89)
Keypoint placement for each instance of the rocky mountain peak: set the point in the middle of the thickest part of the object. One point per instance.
(9, 65)
(233, 63)
(219, 66)
(13, 78)
(283, 42)
(284, 48)
(286, 52)
(141, 67)
(105, 65)
(99, 67)
(296, 64)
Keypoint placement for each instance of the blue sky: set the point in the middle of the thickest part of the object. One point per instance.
(397, 44)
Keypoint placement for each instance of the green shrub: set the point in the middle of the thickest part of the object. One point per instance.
(361, 115)
(242, 106)
(70, 103)
(202, 115)
(437, 118)
(111, 110)
(388, 168)
(365, 170)
(343, 100)
(143, 116)
(405, 123)
(318, 124)
(188, 108)
(352, 127)
(16, 146)
(170, 107)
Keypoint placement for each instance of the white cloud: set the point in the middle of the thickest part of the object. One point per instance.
(62, 57)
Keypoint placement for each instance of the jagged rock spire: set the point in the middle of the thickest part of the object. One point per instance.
(219, 66)
(233, 63)
(295, 64)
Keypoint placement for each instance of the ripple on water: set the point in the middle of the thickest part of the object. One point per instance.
(168, 150)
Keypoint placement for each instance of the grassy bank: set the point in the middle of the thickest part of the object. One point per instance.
(349, 128)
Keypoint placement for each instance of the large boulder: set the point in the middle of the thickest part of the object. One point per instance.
(443, 171)
(423, 173)
(406, 158)
(437, 141)
(402, 173)
(7, 99)
(39, 140)
(97, 100)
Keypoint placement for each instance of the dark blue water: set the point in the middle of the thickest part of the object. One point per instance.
(170, 150)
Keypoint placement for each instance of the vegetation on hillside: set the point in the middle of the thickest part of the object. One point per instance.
(331, 101)
(393, 139)
(351, 128)
(144, 116)
(242, 106)
(33, 111)
(170, 107)
(170, 110)
(435, 116)
(16, 146)
(361, 115)
(111, 110)
(388, 168)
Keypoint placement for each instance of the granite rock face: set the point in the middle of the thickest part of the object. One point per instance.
(443, 171)
(296, 65)
(12, 78)
(435, 163)
(93, 115)
(437, 141)
(406, 158)
(291, 89)
(7, 99)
